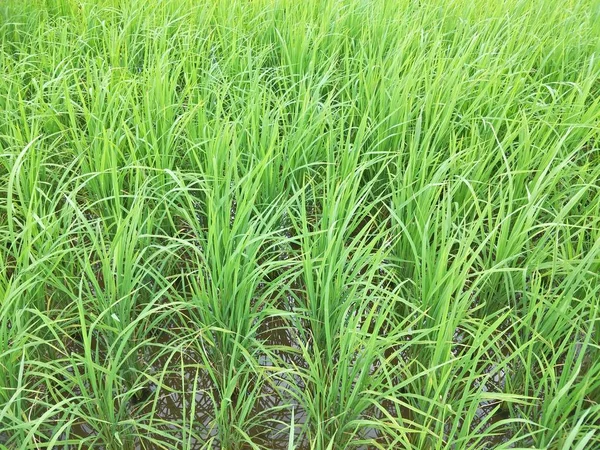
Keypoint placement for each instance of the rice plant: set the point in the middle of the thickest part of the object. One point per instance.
(329, 224)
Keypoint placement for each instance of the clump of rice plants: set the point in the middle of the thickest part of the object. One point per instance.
(329, 224)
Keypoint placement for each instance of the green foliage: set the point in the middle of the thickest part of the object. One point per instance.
(326, 224)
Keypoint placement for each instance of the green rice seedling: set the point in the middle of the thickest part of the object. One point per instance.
(264, 224)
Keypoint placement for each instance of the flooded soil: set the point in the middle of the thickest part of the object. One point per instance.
(173, 390)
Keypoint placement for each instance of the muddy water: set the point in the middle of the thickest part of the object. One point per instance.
(186, 387)
(276, 333)
(170, 405)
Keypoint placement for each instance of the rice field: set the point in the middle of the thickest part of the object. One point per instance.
(324, 225)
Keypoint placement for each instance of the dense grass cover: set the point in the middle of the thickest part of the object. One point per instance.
(327, 224)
